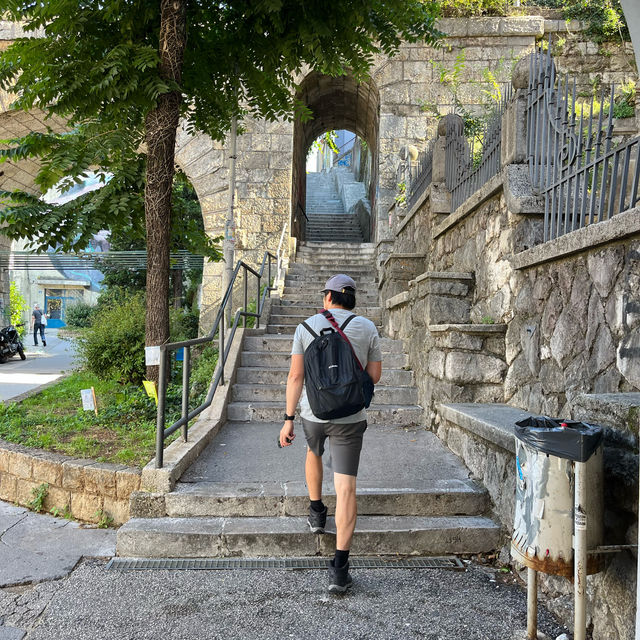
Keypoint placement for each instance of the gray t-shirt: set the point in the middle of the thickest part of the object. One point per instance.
(362, 334)
(37, 316)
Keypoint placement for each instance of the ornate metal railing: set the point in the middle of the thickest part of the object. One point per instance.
(466, 168)
(420, 174)
(224, 345)
(572, 161)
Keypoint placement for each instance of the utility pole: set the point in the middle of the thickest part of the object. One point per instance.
(229, 239)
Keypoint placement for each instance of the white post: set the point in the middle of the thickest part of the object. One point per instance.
(229, 240)
(532, 604)
(580, 551)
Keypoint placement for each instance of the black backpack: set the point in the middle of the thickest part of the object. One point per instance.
(336, 384)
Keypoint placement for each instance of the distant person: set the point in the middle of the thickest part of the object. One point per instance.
(37, 324)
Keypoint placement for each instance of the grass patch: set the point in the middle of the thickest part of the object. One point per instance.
(124, 429)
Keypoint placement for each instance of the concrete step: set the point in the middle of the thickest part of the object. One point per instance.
(283, 358)
(384, 395)
(278, 375)
(450, 497)
(307, 310)
(306, 294)
(364, 247)
(303, 268)
(264, 411)
(338, 264)
(282, 344)
(290, 329)
(285, 318)
(289, 536)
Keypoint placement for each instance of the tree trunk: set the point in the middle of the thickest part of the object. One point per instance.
(177, 289)
(161, 124)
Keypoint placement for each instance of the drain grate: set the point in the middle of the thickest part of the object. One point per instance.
(192, 564)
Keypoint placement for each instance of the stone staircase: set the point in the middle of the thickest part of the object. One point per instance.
(245, 497)
(326, 217)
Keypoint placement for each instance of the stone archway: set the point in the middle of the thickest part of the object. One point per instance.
(336, 103)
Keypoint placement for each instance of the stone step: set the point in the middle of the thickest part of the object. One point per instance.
(311, 309)
(282, 358)
(450, 497)
(282, 344)
(265, 411)
(305, 294)
(278, 319)
(384, 395)
(290, 329)
(308, 245)
(343, 237)
(302, 268)
(290, 536)
(278, 375)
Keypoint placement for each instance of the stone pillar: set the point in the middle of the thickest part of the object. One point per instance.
(440, 196)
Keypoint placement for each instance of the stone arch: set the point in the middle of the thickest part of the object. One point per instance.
(336, 103)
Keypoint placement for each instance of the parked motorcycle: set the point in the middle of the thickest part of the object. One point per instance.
(10, 343)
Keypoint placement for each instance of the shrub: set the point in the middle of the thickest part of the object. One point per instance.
(466, 8)
(80, 315)
(17, 304)
(113, 347)
(183, 324)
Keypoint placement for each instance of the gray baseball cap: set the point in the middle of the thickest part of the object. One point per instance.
(339, 283)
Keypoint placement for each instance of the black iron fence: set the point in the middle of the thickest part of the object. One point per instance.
(573, 162)
(470, 163)
(420, 175)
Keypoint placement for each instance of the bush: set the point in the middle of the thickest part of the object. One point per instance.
(113, 347)
(80, 315)
(17, 304)
(183, 324)
(467, 8)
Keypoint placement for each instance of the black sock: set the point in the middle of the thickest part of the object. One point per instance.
(341, 558)
(317, 505)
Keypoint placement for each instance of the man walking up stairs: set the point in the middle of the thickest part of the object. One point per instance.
(244, 496)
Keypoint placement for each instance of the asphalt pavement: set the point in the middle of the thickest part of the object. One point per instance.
(55, 584)
(43, 366)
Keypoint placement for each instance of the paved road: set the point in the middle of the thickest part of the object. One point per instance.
(55, 595)
(42, 366)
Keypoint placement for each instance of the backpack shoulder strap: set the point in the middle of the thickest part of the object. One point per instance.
(309, 329)
(329, 316)
(347, 321)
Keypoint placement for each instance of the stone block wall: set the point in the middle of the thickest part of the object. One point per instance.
(87, 489)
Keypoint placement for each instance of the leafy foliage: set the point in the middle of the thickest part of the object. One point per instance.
(604, 18)
(80, 315)
(95, 66)
(468, 8)
(17, 305)
(113, 348)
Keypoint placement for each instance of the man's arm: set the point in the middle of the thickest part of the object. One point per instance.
(374, 369)
(295, 381)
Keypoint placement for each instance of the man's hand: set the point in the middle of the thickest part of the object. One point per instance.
(286, 434)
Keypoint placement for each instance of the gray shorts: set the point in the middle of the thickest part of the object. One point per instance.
(345, 440)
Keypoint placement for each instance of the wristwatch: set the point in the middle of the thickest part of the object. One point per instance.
(286, 417)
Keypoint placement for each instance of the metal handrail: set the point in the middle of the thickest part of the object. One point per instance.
(162, 432)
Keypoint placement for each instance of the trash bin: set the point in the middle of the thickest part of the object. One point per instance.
(543, 529)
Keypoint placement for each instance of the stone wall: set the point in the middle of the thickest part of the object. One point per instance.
(402, 90)
(87, 489)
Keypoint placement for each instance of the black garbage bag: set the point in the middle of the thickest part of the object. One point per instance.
(568, 439)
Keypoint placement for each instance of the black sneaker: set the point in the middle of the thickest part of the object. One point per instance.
(339, 578)
(317, 520)
(44, 344)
